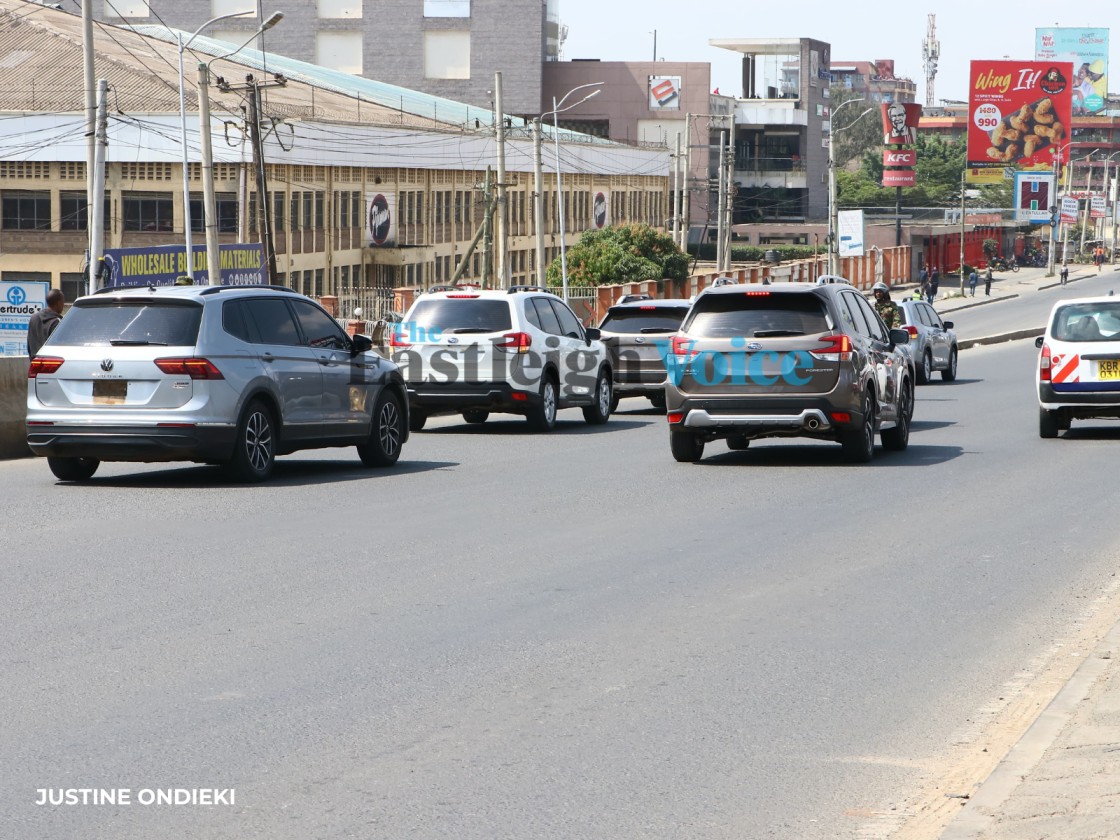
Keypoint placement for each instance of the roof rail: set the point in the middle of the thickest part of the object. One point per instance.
(632, 298)
(213, 290)
(527, 288)
(826, 279)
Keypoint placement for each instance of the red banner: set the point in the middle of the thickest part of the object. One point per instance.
(1019, 115)
(900, 133)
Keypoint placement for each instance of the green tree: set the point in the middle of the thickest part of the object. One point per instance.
(621, 254)
(855, 134)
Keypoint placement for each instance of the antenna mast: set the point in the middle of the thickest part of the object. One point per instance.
(931, 52)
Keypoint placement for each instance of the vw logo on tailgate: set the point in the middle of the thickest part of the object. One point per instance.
(106, 364)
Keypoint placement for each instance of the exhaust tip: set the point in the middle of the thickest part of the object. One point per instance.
(813, 424)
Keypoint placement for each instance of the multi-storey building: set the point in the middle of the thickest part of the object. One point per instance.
(448, 48)
(333, 143)
(874, 81)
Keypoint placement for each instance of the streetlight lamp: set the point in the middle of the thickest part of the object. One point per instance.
(556, 112)
(213, 253)
(833, 244)
(183, 45)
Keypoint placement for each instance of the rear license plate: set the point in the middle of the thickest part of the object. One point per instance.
(110, 391)
(1108, 369)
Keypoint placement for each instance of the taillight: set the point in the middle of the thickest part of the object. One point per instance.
(1044, 364)
(464, 296)
(43, 364)
(195, 368)
(647, 308)
(396, 336)
(841, 417)
(912, 330)
(674, 417)
(838, 349)
(757, 294)
(682, 346)
(515, 342)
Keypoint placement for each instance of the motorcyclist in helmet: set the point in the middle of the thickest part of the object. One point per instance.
(887, 308)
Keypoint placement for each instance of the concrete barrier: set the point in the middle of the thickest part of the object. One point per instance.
(13, 407)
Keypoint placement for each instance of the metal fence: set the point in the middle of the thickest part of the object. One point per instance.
(375, 305)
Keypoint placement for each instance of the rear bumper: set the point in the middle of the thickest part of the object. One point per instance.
(1101, 400)
(432, 397)
(645, 383)
(765, 418)
(133, 443)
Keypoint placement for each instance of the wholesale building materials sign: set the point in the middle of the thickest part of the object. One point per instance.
(162, 265)
(1019, 116)
(18, 302)
(900, 134)
(1087, 50)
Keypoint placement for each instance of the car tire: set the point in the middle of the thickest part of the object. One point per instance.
(898, 438)
(1049, 423)
(614, 400)
(73, 469)
(658, 401)
(600, 411)
(476, 415)
(950, 373)
(686, 447)
(386, 434)
(859, 444)
(737, 443)
(254, 449)
(416, 420)
(925, 372)
(542, 418)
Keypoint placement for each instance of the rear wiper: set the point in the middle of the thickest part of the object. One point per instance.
(470, 330)
(659, 329)
(134, 342)
(774, 333)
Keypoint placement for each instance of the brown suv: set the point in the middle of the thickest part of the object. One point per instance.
(787, 360)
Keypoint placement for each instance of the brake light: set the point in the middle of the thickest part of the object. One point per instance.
(518, 341)
(647, 308)
(195, 368)
(839, 349)
(841, 417)
(396, 337)
(463, 296)
(1044, 364)
(43, 364)
(682, 346)
(758, 294)
(912, 330)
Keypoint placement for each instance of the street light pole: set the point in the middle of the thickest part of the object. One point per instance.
(213, 252)
(556, 112)
(183, 45)
(833, 217)
(538, 203)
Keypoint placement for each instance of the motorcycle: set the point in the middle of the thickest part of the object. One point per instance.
(1001, 264)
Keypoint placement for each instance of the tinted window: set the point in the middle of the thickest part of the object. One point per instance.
(928, 316)
(531, 314)
(319, 328)
(274, 321)
(569, 323)
(1085, 322)
(549, 322)
(129, 322)
(757, 315)
(852, 315)
(644, 319)
(874, 322)
(236, 321)
(462, 315)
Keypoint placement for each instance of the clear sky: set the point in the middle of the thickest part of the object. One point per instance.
(622, 30)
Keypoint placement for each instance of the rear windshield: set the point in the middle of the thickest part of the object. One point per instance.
(1088, 322)
(462, 315)
(124, 323)
(644, 319)
(755, 315)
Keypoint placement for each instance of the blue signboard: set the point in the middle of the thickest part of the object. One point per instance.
(18, 302)
(161, 265)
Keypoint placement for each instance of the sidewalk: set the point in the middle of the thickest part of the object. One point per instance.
(1061, 781)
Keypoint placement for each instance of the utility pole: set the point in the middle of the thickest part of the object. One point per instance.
(487, 237)
(722, 204)
(675, 194)
(960, 271)
(1065, 191)
(686, 203)
(538, 200)
(91, 122)
(210, 210)
(897, 216)
(500, 138)
(1055, 215)
(1088, 201)
(264, 217)
(728, 204)
(95, 211)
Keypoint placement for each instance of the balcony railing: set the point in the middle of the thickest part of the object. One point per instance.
(769, 164)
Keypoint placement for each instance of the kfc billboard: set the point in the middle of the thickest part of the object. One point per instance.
(1019, 115)
(900, 133)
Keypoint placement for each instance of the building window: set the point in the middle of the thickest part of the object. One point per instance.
(26, 210)
(318, 291)
(75, 212)
(339, 8)
(227, 213)
(148, 211)
(447, 8)
(447, 55)
(341, 51)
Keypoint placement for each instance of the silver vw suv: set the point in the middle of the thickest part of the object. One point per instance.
(231, 375)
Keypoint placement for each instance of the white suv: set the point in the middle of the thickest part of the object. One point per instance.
(521, 351)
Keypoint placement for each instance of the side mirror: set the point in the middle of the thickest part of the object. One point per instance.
(1039, 341)
(360, 344)
(900, 337)
(947, 324)
(593, 334)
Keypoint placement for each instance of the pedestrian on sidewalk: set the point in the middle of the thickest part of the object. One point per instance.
(1064, 273)
(934, 279)
(923, 280)
(45, 321)
(972, 278)
(988, 282)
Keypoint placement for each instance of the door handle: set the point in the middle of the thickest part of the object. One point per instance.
(324, 360)
(267, 357)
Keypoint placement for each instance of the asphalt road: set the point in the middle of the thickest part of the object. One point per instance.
(562, 636)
